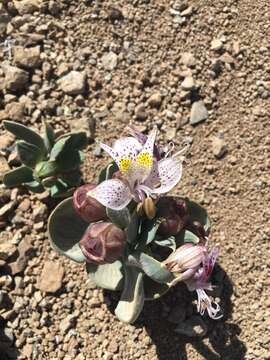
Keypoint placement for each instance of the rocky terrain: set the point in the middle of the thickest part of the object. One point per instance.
(198, 69)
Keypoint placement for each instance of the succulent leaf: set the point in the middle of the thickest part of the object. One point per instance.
(66, 229)
(108, 276)
(169, 242)
(69, 160)
(34, 186)
(149, 230)
(29, 154)
(18, 176)
(24, 133)
(76, 141)
(133, 228)
(120, 218)
(132, 298)
(198, 213)
(49, 136)
(152, 289)
(45, 169)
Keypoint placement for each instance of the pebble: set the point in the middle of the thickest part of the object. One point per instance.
(73, 83)
(188, 83)
(193, 327)
(198, 113)
(219, 147)
(188, 59)
(51, 277)
(16, 79)
(26, 6)
(216, 44)
(67, 323)
(155, 100)
(28, 58)
(109, 61)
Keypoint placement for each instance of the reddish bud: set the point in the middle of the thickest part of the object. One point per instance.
(86, 206)
(103, 243)
(175, 214)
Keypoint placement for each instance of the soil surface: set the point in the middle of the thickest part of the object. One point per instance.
(200, 71)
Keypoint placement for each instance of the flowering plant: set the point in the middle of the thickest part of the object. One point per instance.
(131, 235)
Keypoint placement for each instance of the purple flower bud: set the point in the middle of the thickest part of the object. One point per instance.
(175, 214)
(86, 206)
(185, 260)
(103, 243)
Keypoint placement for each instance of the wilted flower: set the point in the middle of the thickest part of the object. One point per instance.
(175, 215)
(143, 174)
(87, 207)
(185, 261)
(199, 282)
(103, 243)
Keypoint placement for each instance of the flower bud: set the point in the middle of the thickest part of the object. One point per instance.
(185, 259)
(175, 215)
(86, 206)
(103, 243)
(149, 208)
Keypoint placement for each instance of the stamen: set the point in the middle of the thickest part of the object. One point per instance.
(124, 164)
(144, 159)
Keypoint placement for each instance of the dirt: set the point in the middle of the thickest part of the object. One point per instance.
(132, 58)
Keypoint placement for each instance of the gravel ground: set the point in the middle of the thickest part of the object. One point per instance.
(201, 72)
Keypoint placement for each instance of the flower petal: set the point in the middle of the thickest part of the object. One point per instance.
(137, 134)
(169, 173)
(113, 194)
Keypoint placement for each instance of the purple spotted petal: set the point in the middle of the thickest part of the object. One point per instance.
(113, 194)
(150, 142)
(127, 147)
(169, 173)
(137, 134)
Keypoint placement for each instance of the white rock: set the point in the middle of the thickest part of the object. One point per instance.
(109, 61)
(198, 112)
(73, 83)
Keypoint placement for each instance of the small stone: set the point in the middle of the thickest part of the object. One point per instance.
(15, 79)
(4, 167)
(15, 111)
(193, 327)
(86, 124)
(40, 213)
(216, 44)
(140, 112)
(227, 59)
(188, 83)
(188, 59)
(51, 277)
(198, 113)
(219, 147)
(155, 100)
(4, 210)
(28, 58)
(67, 323)
(73, 83)
(109, 61)
(27, 6)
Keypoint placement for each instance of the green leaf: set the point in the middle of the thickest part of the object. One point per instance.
(34, 186)
(58, 148)
(120, 218)
(133, 228)
(132, 298)
(186, 236)
(149, 230)
(24, 133)
(49, 137)
(18, 176)
(65, 229)
(72, 178)
(198, 213)
(170, 243)
(76, 140)
(29, 154)
(67, 161)
(107, 172)
(68, 143)
(152, 289)
(60, 190)
(45, 169)
(107, 276)
(152, 267)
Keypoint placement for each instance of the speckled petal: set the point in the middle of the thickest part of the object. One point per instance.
(113, 194)
(169, 173)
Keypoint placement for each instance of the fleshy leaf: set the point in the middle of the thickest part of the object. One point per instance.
(152, 267)
(29, 154)
(149, 230)
(120, 218)
(69, 160)
(18, 176)
(49, 136)
(133, 228)
(198, 213)
(132, 298)
(66, 229)
(152, 289)
(76, 140)
(46, 168)
(108, 276)
(34, 186)
(186, 236)
(169, 242)
(24, 133)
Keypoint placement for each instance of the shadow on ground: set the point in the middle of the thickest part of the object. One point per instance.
(7, 347)
(221, 340)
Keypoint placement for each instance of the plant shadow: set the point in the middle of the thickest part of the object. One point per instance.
(8, 350)
(221, 340)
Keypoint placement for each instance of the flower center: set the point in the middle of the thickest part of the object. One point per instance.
(144, 159)
(124, 164)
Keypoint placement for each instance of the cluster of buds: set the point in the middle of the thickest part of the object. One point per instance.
(102, 242)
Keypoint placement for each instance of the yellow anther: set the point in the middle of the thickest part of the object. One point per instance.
(124, 164)
(145, 159)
